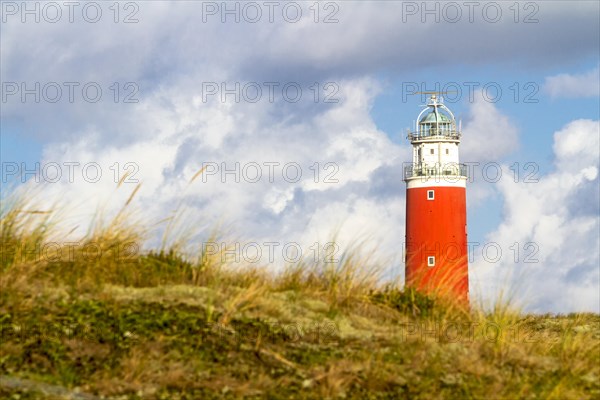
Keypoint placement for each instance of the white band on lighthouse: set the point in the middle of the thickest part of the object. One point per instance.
(443, 181)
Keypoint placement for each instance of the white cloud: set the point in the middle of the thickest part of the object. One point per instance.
(337, 150)
(369, 37)
(576, 145)
(574, 85)
(488, 134)
(550, 231)
(488, 137)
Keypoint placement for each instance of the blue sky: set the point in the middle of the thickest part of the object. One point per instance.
(169, 54)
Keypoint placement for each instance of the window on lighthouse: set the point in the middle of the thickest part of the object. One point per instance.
(431, 261)
(430, 195)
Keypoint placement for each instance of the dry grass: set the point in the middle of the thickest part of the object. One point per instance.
(167, 324)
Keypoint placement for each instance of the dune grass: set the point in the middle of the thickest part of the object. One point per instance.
(101, 317)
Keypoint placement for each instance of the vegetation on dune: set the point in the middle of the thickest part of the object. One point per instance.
(100, 318)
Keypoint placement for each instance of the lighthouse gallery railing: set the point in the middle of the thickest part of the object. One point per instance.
(434, 135)
(420, 170)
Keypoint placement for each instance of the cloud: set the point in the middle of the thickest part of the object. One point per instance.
(576, 145)
(549, 236)
(186, 48)
(269, 176)
(488, 135)
(574, 85)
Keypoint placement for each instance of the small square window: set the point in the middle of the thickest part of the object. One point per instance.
(431, 261)
(431, 151)
(430, 195)
(447, 151)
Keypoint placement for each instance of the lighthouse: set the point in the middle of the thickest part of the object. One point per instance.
(436, 257)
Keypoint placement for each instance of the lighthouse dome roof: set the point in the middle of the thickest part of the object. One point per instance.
(433, 117)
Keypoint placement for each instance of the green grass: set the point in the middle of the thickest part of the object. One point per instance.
(165, 325)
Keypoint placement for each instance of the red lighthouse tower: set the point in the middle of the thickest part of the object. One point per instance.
(436, 211)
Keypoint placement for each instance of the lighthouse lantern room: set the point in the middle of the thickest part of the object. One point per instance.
(436, 216)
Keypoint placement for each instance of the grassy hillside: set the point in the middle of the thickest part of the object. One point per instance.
(101, 319)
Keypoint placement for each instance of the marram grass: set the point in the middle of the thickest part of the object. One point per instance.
(112, 321)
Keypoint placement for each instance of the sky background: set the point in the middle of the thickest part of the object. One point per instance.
(523, 77)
